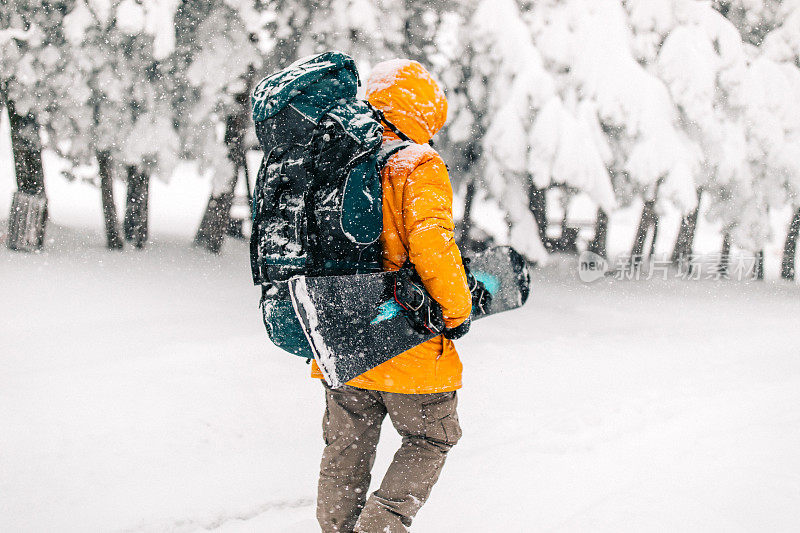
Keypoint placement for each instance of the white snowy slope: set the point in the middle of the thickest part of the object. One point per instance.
(138, 392)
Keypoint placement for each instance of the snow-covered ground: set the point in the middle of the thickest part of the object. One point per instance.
(138, 392)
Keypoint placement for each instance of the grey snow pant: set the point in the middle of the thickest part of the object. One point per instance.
(429, 426)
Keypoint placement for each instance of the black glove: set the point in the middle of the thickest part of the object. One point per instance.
(458, 331)
(481, 298)
(423, 312)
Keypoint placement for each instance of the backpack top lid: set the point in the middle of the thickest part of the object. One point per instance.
(313, 85)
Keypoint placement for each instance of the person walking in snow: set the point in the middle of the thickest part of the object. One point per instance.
(417, 388)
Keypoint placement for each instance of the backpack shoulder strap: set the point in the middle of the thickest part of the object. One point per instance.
(389, 149)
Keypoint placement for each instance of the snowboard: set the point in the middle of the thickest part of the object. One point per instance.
(353, 323)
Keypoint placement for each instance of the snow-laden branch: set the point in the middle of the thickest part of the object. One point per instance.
(9, 34)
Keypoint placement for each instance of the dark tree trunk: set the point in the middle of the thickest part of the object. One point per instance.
(684, 243)
(599, 244)
(652, 250)
(648, 221)
(236, 129)
(236, 225)
(136, 207)
(28, 216)
(26, 146)
(568, 241)
(725, 255)
(790, 248)
(216, 220)
(537, 203)
(759, 273)
(214, 223)
(113, 240)
(26, 222)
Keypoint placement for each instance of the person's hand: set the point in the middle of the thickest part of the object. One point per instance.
(423, 312)
(458, 331)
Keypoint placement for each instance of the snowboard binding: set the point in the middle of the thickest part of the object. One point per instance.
(481, 297)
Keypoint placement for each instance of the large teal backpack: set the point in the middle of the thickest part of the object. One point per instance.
(317, 199)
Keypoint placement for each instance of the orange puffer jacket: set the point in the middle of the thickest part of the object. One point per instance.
(418, 224)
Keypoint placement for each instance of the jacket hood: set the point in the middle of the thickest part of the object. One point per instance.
(409, 97)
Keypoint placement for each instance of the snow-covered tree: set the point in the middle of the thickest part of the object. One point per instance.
(621, 99)
(498, 84)
(753, 18)
(215, 62)
(783, 42)
(33, 88)
(290, 31)
(698, 54)
(121, 114)
(782, 45)
(364, 29)
(765, 95)
(567, 96)
(649, 155)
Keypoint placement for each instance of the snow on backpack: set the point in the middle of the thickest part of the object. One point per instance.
(317, 199)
